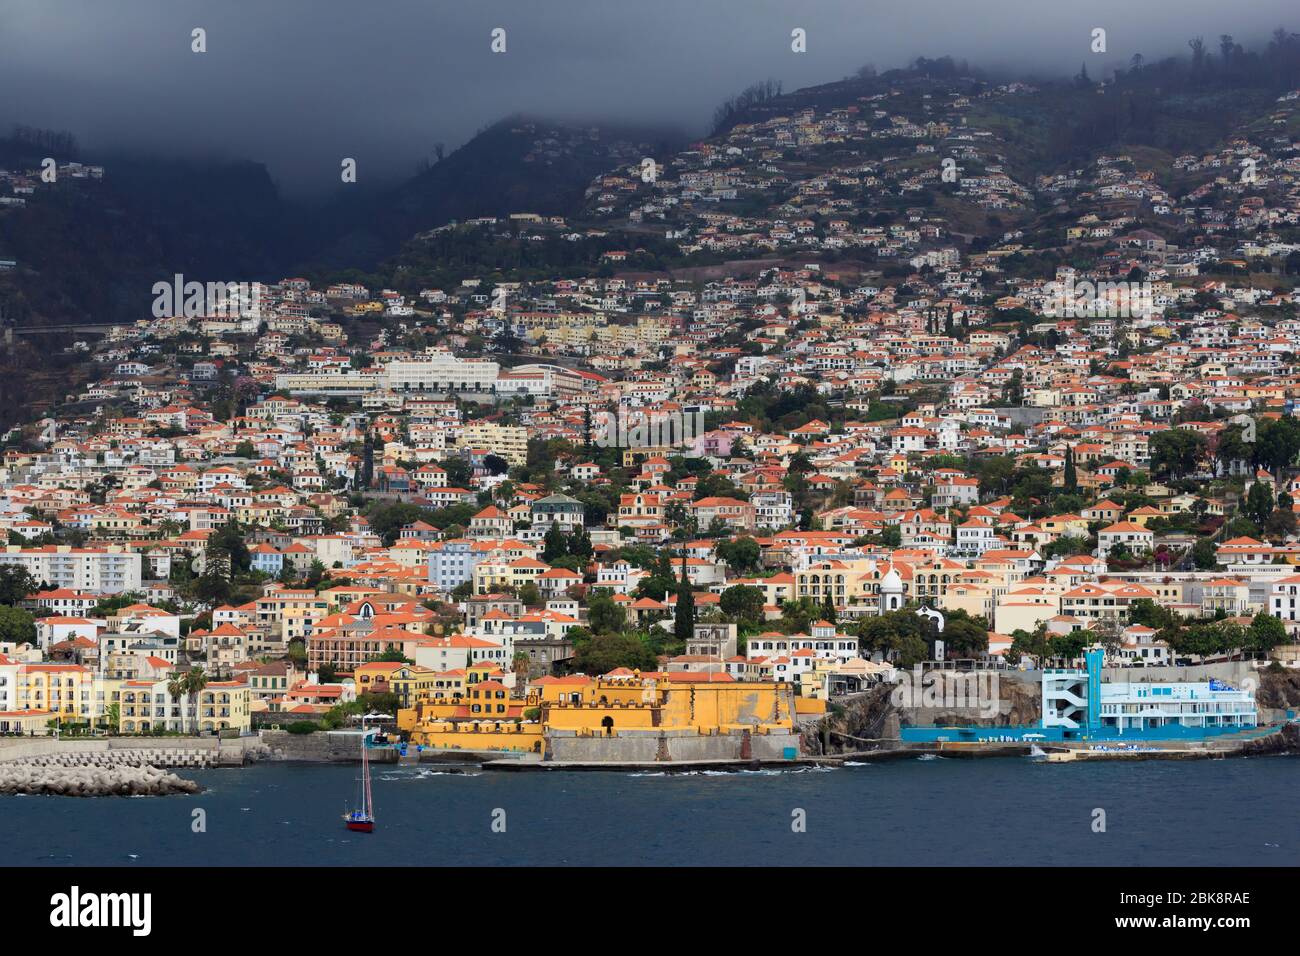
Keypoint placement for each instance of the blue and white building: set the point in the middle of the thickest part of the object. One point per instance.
(1078, 700)
(452, 563)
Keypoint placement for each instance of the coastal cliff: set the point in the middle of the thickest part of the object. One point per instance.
(872, 720)
(978, 699)
(865, 721)
(1279, 692)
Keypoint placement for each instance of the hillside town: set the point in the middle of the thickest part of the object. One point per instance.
(287, 503)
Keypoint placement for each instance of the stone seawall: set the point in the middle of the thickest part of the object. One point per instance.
(628, 747)
(322, 746)
(136, 751)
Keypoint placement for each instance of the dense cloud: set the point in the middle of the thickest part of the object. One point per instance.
(299, 84)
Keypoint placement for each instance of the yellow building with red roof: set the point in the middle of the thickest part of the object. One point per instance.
(639, 707)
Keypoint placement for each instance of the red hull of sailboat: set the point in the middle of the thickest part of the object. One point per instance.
(361, 826)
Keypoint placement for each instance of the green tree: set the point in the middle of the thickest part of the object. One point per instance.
(885, 633)
(195, 680)
(315, 573)
(1281, 522)
(684, 622)
(797, 616)
(16, 583)
(229, 539)
(213, 586)
(1148, 613)
(1259, 502)
(1067, 646)
(555, 545)
(828, 609)
(604, 615)
(580, 545)
(1231, 446)
(189, 685)
(963, 635)
(602, 653)
(1265, 633)
(1277, 443)
(112, 719)
(1035, 645)
(531, 595)
(1204, 555)
(16, 625)
(741, 554)
(907, 650)
(995, 474)
(1067, 546)
(1176, 452)
(743, 602)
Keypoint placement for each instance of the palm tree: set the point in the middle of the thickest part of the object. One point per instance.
(112, 717)
(176, 687)
(190, 685)
(170, 528)
(194, 682)
(520, 666)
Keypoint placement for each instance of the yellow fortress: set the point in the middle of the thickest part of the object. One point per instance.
(624, 716)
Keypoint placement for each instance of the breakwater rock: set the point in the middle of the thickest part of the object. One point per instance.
(56, 778)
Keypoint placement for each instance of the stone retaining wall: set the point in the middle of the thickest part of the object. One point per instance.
(631, 746)
(321, 747)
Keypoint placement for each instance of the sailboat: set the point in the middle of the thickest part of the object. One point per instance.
(363, 820)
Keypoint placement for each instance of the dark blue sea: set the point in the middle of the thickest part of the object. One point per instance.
(911, 812)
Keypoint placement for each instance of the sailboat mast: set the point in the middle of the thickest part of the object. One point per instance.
(365, 769)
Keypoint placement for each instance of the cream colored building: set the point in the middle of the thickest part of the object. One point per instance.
(508, 441)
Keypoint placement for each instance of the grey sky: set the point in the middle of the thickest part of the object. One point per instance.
(299, 84)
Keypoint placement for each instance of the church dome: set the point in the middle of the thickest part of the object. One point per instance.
(892, 582)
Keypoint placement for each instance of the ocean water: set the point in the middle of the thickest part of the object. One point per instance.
(910, 812)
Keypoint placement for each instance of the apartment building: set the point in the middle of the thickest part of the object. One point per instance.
(508, 441)
(442, 372)
(108, 570)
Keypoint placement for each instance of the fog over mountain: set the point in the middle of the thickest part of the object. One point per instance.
(300, 84)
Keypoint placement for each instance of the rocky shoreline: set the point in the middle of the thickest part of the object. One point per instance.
(78, 777)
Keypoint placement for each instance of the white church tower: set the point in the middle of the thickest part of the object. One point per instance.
(891, 591)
